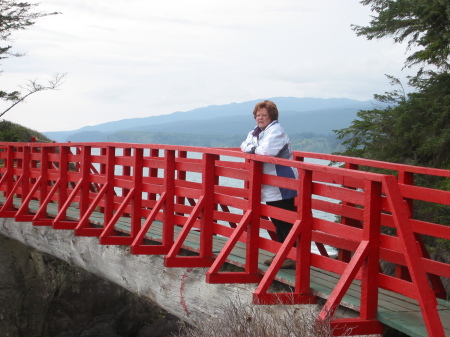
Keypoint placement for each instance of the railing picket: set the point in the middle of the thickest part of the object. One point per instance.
(168, 231)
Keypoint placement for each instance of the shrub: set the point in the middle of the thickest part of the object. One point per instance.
(239, 319)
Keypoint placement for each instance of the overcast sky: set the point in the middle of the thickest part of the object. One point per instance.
(138, 58)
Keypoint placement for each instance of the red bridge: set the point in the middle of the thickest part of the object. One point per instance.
(165, 200)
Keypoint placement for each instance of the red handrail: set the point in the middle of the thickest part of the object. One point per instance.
(148, 183)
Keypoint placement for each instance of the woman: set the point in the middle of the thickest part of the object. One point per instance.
(268, 138)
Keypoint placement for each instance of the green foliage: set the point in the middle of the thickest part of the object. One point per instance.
(415, 128)
(11, 132)
(415, 131)
(423, 24)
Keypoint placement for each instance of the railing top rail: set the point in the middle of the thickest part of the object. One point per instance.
(376, 163)
(232, 152)
(235, 152)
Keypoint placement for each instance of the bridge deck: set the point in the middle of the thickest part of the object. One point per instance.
(394, 310)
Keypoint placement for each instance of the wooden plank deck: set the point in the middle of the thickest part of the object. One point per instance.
(394, 310)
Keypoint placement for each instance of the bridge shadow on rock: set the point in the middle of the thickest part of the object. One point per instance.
(44, 296)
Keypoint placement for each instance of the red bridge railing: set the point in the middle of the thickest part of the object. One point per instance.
(216, 192)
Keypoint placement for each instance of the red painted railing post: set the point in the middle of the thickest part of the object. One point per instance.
(169, 206)
(206, 216)
(102, 172)
(408, 179)
(252, 252)
(136, 205)
(25, 172)
(371, 233)
(303, 247)
(109, 193)
(9, 170)
(63, 176)
(126, 170)
(43, 182)
(181, 175)
(86, 177)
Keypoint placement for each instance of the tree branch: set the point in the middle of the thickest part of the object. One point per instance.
(33, 87)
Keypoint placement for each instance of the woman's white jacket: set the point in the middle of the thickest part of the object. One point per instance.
(272, 141)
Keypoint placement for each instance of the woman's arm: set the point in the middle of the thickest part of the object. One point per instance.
(247, 145)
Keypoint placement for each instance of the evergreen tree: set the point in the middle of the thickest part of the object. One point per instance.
(423, 24)
(414, 128)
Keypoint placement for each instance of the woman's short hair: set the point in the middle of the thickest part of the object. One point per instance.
(271, 109)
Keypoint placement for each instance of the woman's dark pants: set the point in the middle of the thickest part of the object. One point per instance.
(282, 227)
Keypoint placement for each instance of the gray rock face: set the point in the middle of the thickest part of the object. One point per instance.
(43, 296)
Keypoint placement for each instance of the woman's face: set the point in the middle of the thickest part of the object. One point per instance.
(262, 118)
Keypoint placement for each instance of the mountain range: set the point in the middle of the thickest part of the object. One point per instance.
(317, 116)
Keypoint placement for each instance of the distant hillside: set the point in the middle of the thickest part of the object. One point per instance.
(12, 132)
(297, 115)
(317, 121)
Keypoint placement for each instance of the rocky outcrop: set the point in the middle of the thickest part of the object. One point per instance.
(43, 296)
